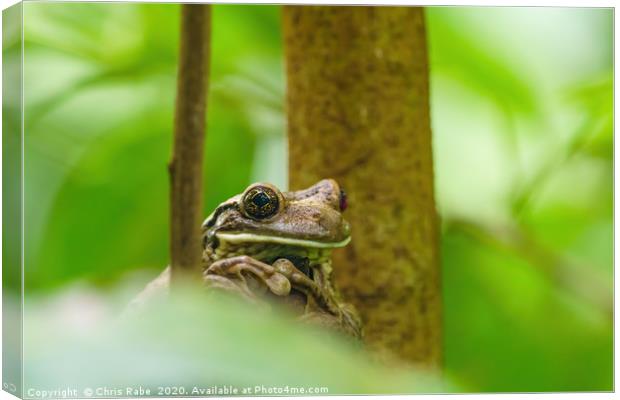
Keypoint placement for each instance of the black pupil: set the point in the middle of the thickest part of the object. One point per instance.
(260, 199)
(261, 203)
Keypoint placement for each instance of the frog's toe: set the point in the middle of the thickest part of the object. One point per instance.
(278, 284)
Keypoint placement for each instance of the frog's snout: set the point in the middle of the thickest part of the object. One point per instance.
(329, 192)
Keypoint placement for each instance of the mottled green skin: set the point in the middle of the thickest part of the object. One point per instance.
(263, 260)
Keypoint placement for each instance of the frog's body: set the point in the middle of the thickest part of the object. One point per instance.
(281, 243)
(266, 244)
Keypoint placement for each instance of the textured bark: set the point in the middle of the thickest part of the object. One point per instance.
(358, 111)
(189, 136)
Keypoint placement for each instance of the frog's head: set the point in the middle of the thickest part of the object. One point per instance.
(267, 224)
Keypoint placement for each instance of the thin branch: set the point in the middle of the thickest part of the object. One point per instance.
(189, 135)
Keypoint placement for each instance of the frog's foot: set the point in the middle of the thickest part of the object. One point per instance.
(246, 277)
(325, 310)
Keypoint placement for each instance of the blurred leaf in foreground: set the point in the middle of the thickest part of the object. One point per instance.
(196, 341)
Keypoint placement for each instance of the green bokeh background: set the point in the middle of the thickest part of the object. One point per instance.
(522, 117)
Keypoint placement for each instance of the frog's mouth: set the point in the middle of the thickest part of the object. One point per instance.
(235, 238)
(303, 253)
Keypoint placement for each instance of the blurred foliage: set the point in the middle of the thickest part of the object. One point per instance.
(175, 343)
(523, 131)
(522, 117)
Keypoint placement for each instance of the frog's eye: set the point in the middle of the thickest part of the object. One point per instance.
(261, 202)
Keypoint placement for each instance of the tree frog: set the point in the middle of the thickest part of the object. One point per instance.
(265, 244)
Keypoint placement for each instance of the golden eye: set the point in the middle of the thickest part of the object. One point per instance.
(260, 202)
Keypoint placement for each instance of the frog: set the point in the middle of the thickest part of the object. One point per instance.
(270, 247)
(266, 245)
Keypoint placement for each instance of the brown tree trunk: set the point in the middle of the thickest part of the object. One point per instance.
(189, 136)
(358, 111)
